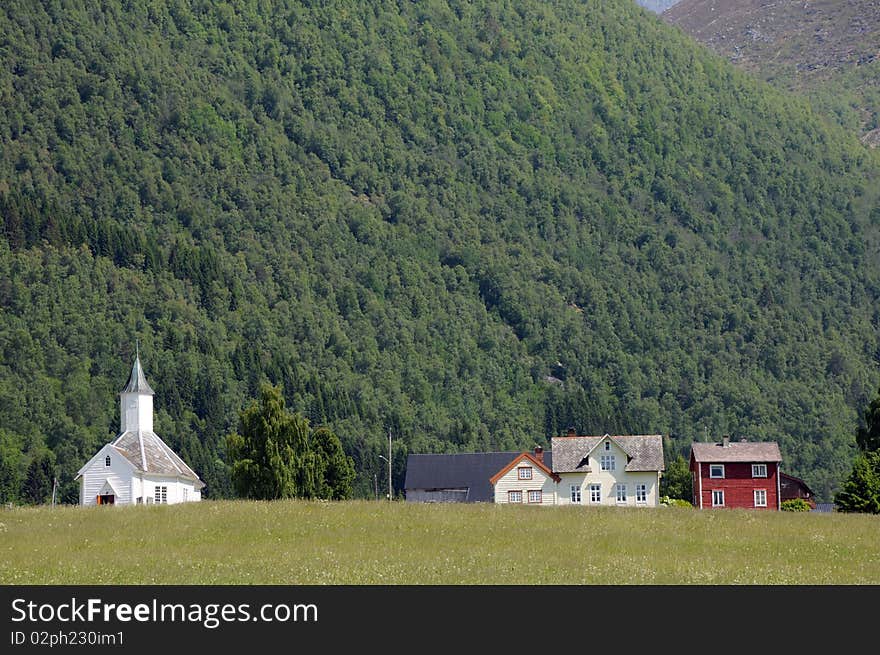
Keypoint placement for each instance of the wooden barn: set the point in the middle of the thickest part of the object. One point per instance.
(792, 488)
(455, 478)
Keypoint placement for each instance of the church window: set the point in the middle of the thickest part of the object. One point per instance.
(107, 461)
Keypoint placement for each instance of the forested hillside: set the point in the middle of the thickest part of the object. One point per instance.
(471, 223)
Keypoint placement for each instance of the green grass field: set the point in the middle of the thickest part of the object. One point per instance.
(363, 542)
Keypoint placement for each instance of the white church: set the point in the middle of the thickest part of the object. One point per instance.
(137, 467)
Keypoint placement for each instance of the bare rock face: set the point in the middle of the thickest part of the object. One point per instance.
(657, 6)
(800, 45)
(872, 138)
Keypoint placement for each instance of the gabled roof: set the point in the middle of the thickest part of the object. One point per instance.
(785, 478)
(137, 381)
(644, 452)
(516, 460)
(147, 453)
(459, 471)
(106, 449)
(736, 451)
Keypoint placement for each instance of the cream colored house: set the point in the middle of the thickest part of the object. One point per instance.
(526, 480)
(620, 471)
(137, 467)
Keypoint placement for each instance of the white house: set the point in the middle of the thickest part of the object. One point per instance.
(137, 467)
(527, 480)
(620, 471)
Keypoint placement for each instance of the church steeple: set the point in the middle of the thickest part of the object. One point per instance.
(137, 381)
(136, 400)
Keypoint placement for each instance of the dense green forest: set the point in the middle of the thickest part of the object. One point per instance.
(470, 223)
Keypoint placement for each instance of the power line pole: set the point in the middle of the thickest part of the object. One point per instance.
(389, 465)
(388, 459)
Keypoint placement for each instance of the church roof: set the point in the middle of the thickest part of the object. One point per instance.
(149, 454)
(137, 381)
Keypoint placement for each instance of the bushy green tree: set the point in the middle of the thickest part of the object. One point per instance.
(676, 481)
(276, 454)
(861, 491)
(795, 505)
(40, 477)
(337, 475)
(868, 435)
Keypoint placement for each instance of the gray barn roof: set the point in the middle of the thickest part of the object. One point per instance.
(645, 451)
(460, 471)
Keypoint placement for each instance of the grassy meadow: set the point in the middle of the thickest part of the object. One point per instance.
(369, 543)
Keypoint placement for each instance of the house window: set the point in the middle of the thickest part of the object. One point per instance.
(160, 494)
(760, 498)
(595, 493)
(185, 494)
(621, 492)
(536, 496)
(718, 498)
(607, 445)
(575, 490)
(641, 493)
(107, 461)
(514, 496)
(716, 470)
(606, 462)
(524, 472)
(759, 470)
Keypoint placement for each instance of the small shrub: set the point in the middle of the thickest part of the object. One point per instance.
(674, 502)
(796, 505)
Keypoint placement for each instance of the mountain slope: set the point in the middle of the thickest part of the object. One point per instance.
(825, 49)
(470, 224)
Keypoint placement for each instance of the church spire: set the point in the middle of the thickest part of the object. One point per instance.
(136, 400)
(137, 382)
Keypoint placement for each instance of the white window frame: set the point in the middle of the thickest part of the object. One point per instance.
(607, 463)
(620, 492)
(575, 493)
(720, 495)
(715, 466)
(514, 497)
(759, 470)
(641, 493)
(607, 445)
(524, 473)
(763, 494)
(596, 493)
(535, 497)
(160, 495)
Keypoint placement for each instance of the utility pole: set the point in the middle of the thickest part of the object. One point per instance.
(54, 487)
(388, 459)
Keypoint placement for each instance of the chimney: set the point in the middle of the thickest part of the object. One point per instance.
(539, 454)
(571, 431)
(725, 441)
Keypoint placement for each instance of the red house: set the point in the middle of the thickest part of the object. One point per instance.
(736, 474)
